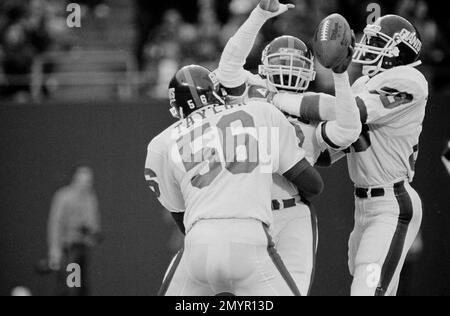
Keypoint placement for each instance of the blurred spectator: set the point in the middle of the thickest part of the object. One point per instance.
(209, 46)
(177, 42)
(21, 39)
(149, 17)
(417, 11)
(303, 21)
(98, 7)
(166, 49)
(436, 46)
(173, 33)
(73, 229)
(27, 29)
(21, 291)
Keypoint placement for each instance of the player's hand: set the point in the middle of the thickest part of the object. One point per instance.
(54, 261)
(274, 7)
(270, 97)
(343, 66)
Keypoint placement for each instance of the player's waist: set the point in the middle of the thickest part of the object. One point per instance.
(283, 204)
(394, 189)
(219, 231)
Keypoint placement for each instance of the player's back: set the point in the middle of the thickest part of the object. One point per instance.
(393, 105)
(306, 135)
(222, 158)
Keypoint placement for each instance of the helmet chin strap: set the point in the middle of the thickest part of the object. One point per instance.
(416, 64)
(374, 70)
(221, 101)
(271, 87)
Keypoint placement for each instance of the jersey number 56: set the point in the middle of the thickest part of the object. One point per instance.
(230, 142)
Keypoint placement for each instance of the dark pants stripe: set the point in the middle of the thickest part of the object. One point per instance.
(398, 242)
(166, 283)
(314, 226)
(278, 262)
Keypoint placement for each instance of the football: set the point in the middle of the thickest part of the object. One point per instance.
(332, 40)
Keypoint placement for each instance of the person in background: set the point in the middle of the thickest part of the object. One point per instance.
(303, 20)
(24, 36)
(73, 229)
(434, 43)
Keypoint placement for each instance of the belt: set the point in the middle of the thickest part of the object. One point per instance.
(278, 205)
(364, 193)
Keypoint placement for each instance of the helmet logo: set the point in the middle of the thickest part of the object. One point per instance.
(214, 80)
(172, 96)
(411, 39)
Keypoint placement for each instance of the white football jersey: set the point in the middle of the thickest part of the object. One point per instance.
(283, 189)
(393, 106)
(218, 163)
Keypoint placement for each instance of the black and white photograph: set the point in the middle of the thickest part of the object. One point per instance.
(224, 153)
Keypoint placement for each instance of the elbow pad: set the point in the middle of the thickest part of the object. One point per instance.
(331, 135)
(306, 179)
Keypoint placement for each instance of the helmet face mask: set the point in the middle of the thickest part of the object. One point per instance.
(374, 46)
(379, 51)
(288, 68)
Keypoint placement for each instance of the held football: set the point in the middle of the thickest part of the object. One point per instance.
(332, 40)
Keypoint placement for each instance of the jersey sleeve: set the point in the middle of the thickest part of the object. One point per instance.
(289, 152)
(346, 129)
(162, 182)
(231, 73)
(259, 92)
(392, 95)
(316, 107)
(329, 157)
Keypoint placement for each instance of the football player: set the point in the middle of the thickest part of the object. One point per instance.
(288, 69)
(392, 96)
(213, 170)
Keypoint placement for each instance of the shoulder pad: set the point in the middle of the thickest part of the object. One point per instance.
(161, 143)
(361, 81)
(398, 80)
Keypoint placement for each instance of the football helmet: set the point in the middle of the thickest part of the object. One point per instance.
(288, 64)
(392, 41)
(192, 88)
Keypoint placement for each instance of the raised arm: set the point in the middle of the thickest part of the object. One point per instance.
(346, 129)
(316, 107)
(231, 71)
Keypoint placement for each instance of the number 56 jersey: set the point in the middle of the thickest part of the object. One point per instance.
(218, 163)
(392, 106)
